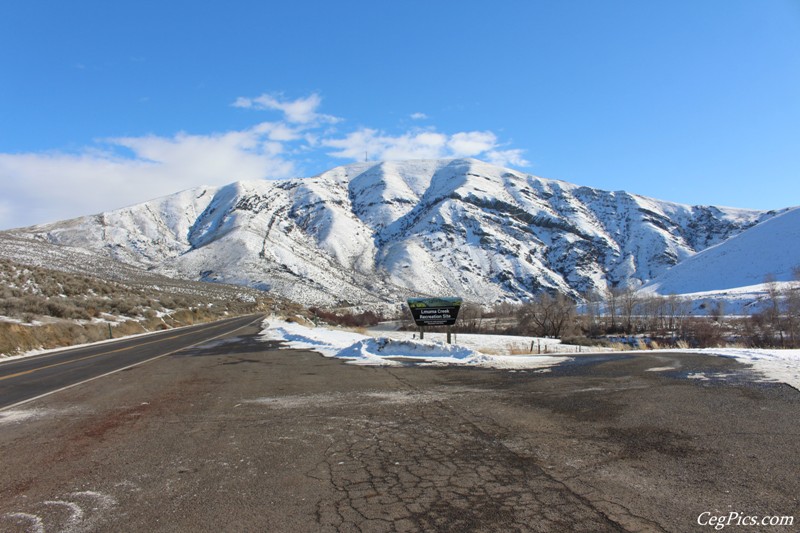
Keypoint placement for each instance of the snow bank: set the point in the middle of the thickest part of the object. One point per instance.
(776, 365)
(496, 344)
(363, 350)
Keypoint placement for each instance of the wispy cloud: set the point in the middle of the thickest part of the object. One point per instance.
(419, 145)
(472, 143)
(418, 116)
(300, 111)
(422, 144)
(47, 186)
(507, 158)
(53, 186)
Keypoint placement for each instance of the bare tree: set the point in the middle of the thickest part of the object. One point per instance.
(628, 301)
(772, 313)
(547, 316)
(716, 311)
(791, 299)
(656, 306)
(612, 306)
(470, 318)
(592, 310)
(705, 331)
(677, 309)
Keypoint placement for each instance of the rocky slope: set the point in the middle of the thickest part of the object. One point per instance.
(378, 232)
(769, 250)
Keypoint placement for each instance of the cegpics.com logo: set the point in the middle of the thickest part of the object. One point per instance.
(733, 518)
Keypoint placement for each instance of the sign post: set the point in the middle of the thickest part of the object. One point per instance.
(434, 312)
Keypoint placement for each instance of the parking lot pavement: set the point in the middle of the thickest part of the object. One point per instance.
(243, 436)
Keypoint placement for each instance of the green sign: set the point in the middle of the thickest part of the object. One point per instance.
(434, 311)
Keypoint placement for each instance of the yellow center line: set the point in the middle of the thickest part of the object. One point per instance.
(32, 370)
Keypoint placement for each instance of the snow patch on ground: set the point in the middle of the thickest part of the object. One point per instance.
(11, 416)
(394, 348)
(365, 350)
(384, 397)
(496, 344)
(775, 365)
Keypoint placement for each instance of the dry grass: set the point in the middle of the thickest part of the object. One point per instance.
(516, 349)
(59, 309)
(299, 319)
(619, 347)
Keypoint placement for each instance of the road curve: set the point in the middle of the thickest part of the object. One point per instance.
(24, 379)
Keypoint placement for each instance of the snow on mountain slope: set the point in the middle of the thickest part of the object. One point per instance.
(142, 235)
(771, 248)
(79, 261)
(378, 232)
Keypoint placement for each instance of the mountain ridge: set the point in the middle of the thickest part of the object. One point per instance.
(379, 231)
(769, 249)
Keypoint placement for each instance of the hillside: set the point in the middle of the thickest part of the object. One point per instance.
(52, 296)
(378, 232)
(771, 248)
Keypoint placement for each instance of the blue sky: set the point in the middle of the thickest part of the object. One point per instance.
(105, 104)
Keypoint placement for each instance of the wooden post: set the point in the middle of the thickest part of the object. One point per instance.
(449, 336)
(421, 333)
(110, 333)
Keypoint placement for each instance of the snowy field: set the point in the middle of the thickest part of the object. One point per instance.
(489, 351)
(395, 347)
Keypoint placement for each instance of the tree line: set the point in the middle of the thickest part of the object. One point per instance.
(670, 320)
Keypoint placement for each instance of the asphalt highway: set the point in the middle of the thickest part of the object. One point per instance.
(30, 377)
(240, 434)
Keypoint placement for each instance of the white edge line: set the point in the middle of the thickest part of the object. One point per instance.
(11, 359)
(12, 406)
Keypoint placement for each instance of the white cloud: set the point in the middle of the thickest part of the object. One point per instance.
(300, 111)
(472, 143)
(226, 157)
(507, 158)
(416, 145)
(278, 131)
(422, 144)
(6, 213)
(48, 186)
(418, 116)
(54, 186)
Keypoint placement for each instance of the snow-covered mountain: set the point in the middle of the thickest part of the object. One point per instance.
(378, 232)
(771, 248)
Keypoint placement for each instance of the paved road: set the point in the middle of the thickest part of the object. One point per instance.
(29, 377)
(239, 435)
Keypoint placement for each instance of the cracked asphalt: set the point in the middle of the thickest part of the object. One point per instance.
(239, 435)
